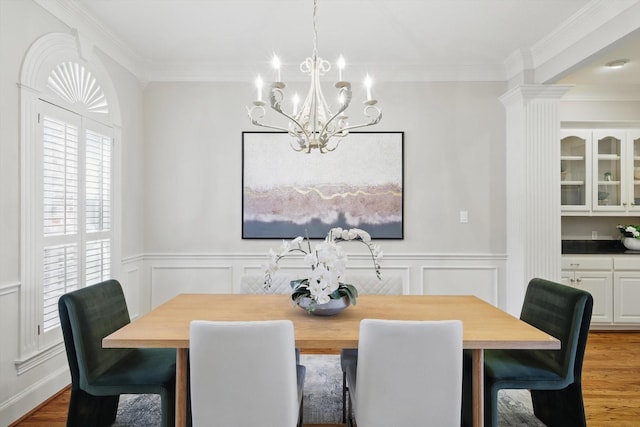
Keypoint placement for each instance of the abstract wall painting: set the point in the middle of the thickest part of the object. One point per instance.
(287, 194)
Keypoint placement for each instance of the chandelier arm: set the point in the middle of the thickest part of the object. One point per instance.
(373, 121)
(345, 105)
(275, 100)
(297, 123)
(257, 123)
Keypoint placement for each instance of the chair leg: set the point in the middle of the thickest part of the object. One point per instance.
(490, 406)
(344, 397)
(350, 416)
(168, 408)
(301, 413)
(87, 410)
(560, 408)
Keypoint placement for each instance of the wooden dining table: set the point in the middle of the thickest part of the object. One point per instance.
(484, 327)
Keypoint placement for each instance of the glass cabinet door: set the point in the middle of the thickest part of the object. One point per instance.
(574, 171)
(607, 172)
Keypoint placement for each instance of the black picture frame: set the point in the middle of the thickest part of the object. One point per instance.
(286, 194)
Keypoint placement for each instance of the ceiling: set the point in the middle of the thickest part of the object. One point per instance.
(394, 40)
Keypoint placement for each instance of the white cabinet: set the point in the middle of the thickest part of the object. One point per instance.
(626, 289)
(594, 275)
(600, 172)
(614, 283)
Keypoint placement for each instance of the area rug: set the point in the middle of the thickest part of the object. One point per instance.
(323, 400)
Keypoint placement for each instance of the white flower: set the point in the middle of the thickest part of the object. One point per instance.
(310, 259)
(366, 237)
(631, 229)
(328, 264)
(285, 247)
(334, 233)
(297, 243)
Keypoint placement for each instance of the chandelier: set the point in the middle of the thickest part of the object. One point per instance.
(313, 125)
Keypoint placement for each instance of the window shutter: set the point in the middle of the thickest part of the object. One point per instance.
(60, 215)
(97, 206)
(98, 182)
(76, 189)
(60, 177)
(60, 276)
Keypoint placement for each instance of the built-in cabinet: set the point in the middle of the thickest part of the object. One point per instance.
(593, 275)
(600, 172)
(626, 289)
(614, 283)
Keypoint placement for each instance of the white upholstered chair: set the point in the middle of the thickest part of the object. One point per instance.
(244, 374)
(366, 285)
(280, 284)
(409, 374)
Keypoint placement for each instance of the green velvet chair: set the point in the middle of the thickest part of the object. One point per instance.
(554, 377)
(99, 375)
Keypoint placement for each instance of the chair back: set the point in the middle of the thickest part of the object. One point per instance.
(565, 313)
(243, 374)
(409, 373)
(86, 317)
(281, 284)
(369, 284)
(254, 284)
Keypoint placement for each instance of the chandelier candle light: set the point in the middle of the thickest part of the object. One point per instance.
(313, 124)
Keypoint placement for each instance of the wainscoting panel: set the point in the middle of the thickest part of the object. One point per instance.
(169, 281)
(162, 276)
(460, 280)
(132, 289)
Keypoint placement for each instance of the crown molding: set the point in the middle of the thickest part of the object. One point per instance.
(595, 26)
(94, 34)
(219, 72)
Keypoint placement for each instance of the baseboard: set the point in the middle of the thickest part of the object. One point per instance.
(32, 397)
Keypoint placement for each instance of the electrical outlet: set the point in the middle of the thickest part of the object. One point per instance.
(594, 235)
(464, 217)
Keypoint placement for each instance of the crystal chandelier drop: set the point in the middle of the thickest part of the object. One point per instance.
(313, 125)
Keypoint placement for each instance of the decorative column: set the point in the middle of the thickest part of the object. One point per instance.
(533, 188)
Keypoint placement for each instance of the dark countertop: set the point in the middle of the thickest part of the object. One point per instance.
(595, 247)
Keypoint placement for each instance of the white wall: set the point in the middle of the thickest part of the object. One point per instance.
(21, 23)
(453, 160)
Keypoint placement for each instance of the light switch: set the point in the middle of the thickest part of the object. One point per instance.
(464, 217)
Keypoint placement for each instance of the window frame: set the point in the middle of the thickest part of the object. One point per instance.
(44, 55)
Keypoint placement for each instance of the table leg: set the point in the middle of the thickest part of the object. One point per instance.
(181, 387)
(478, 387)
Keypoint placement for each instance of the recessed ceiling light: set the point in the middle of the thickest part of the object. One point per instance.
(618, 63)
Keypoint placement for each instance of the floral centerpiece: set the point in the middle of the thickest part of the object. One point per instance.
(630, 236)
(327, 261)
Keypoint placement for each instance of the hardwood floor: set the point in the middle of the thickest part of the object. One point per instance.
(611, 385)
